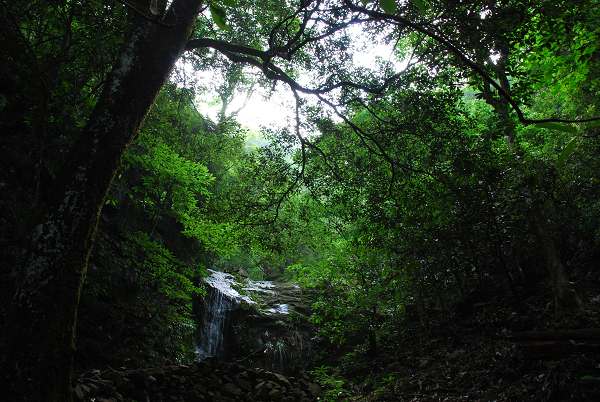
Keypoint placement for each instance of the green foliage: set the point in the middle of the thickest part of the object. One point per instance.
(219, 16)
(421, 5)
(558, 126)
(333, 385)
(173, 279)
(137, 303)
(389, 6)
(566, 152)
(171, 181)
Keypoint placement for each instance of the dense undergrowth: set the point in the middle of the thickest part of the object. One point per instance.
(474, 355)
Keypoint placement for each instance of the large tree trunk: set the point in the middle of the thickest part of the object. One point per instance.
(43, 314)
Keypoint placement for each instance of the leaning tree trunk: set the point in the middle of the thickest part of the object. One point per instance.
(43, 314)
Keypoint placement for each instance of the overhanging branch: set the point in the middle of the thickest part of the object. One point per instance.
(464, 59)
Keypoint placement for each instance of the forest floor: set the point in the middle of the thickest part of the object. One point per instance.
(491, 353)
(207, 381)
(500, 349)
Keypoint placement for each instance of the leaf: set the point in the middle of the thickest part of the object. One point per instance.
(558, 126)
(593, 124)
(218, 16)
(566, 152)
(230, 3)
(421, 5)
(389, 6)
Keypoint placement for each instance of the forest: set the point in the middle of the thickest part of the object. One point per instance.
(298, 200)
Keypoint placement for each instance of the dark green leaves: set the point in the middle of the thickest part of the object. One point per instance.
(389, 6)
(218, 15)
(566, 152)
(593, 124)
(421, 5)
(558, 126)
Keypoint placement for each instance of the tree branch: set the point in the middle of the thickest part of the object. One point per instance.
(479, 70)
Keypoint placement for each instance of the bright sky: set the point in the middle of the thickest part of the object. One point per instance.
(278, 110)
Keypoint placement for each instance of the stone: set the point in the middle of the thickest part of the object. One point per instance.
(455, 354)
(79, 393)
(268, 327)
(232, 389)
(245, 385)
(282, 379)
(313, 388)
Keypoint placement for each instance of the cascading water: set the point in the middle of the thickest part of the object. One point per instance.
(260, 331)
(222, 299)
(213, 322)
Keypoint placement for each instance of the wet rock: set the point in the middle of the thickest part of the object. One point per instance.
(282, 379)
(231, 389)
(243, 384)
(275, 393)
(263, 322)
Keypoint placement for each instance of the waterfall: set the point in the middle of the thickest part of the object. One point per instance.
(222, 299)
(213, 321)
(260, 331)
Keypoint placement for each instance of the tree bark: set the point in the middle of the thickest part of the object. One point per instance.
(38, 362)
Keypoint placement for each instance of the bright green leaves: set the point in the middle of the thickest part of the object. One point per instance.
(219, 16)
(171, 183)
(558, 126)
(172, 277)
(220, 238)
(389, 6)
(174, 185)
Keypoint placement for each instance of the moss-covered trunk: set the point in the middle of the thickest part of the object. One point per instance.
(43, 315)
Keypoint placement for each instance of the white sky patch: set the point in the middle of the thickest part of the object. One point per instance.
(276, 109)
(367, 51)
(257, 111)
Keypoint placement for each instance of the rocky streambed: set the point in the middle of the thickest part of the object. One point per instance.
(205, 381)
